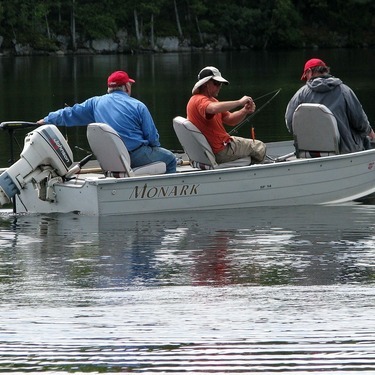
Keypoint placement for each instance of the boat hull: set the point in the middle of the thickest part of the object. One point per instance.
(326, 180)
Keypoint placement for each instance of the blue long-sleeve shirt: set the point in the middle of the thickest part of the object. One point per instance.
(125, 114)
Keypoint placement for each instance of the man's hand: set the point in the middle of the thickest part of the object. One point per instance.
(250, 107)
(245, 100)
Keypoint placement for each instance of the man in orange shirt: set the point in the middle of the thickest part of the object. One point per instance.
(209, 115)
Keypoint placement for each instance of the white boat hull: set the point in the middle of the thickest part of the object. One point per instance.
(326, 180)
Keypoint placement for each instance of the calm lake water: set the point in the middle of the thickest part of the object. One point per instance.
(281, 290)
(33, 86)
(245, 291)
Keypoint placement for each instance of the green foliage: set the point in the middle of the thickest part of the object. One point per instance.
(94, 23)
(338, 23)
(250, 23)
(42, 43)
(284, 28)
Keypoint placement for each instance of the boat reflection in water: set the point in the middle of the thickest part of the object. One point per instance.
(270, 290)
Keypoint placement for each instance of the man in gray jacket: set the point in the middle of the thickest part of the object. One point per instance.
(321, 87)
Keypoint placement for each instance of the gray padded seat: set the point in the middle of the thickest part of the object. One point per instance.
(113, 156)
(315, 131)
(198, 149)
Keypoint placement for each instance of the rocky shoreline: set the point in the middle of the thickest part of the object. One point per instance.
(118, 45)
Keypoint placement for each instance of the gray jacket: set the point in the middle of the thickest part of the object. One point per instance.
(351, 119)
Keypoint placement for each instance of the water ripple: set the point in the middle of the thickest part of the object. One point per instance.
(282, 291)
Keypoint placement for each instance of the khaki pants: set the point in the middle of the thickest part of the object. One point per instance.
(240, 147)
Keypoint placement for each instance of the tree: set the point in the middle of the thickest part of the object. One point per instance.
(251, 23)
(177, 19)
(283, 25)
(197, 9)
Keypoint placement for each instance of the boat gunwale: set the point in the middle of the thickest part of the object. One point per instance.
(100, 179)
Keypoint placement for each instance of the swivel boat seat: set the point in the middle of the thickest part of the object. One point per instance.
(315, 131)
(113, 156)
(198, 149)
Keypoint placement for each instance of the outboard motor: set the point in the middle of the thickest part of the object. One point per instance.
(46, 156)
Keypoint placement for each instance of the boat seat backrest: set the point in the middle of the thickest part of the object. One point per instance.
(197, 147)
(315, 131)
(112, 154)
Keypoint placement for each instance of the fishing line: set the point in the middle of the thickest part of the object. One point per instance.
(268, 94)
(248, 118)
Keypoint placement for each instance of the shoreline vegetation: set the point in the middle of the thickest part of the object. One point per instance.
(63, 27)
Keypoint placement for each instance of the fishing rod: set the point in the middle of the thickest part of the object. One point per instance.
(248, 118)
(11, 127)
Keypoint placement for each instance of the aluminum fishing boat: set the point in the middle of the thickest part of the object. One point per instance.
(45, 179)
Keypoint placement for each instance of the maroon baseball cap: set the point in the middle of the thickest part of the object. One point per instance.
(119, 78)
(312, 63)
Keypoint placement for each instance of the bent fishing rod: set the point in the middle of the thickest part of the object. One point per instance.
(248, 118)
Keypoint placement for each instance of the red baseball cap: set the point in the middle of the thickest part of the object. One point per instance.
(312, 63)
(119, 78)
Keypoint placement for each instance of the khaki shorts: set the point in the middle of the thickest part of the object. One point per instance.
(240, 147)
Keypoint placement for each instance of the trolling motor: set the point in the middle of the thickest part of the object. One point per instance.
(46, 158)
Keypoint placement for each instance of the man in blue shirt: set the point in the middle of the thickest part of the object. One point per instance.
(128, 116)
